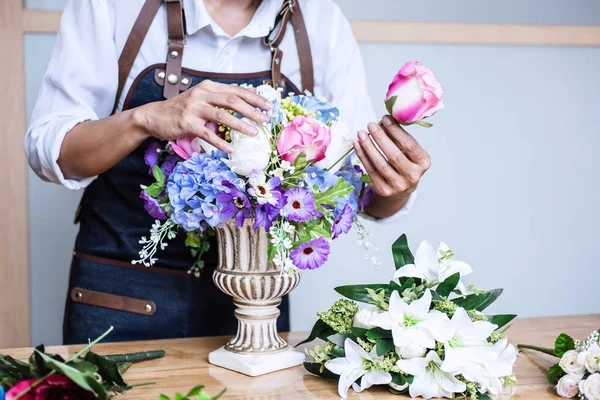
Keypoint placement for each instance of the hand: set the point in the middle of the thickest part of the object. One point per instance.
(187, 113)
(395, 173)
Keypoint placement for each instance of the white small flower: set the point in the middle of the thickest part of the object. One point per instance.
(278, 172)
(364, 317)
(356, 364)
(570, 364)
(411, 350)
(249, 152)
(568, 386)
(591, 387)
(268, 92)
(286, 166)
(341, 142)
(590, 358)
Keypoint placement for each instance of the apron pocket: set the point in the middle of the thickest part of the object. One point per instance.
(106, 300)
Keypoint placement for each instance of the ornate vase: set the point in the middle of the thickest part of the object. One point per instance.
(256, 286)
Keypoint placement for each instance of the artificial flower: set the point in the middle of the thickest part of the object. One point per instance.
(429, 378)
(311, 255)
(235, 203)
(55, 386)
(185, 146)
(357, 363)
(434, 267)
(591, 387)
(341, 143)
(319, 178)
(324, 111)
(569, 363)
(411, 350)
(152, 207)
(304, 134)
(497, 363)
(152, 154)
(568, 385)
(342, 222)
(299, 205)
(250, 153)
(269, 92)
(364, 317)
(264, 192)
(414, 94)
(590, 358)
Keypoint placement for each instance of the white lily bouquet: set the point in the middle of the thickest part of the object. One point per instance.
(423, 333)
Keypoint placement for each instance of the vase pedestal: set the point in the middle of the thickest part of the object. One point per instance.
(255, 365)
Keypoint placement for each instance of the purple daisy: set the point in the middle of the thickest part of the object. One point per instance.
(343, 222)
(311, 255)
(152, 207)
(151, 155)
(234, 202)
(299, 205)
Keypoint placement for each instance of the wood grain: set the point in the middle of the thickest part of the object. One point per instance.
(41, 21)
(186, 365)
(14, 235)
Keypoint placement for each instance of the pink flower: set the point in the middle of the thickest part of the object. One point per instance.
(414, 94)
(187, 145)
(54, 387)
(304, 134)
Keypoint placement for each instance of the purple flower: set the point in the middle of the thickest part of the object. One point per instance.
(151, 155)
(299, 205)
(151, 206)
(169, 165)
(234, 202)
(343, 222)
(366, 198)
(266, 214)
(264, 192)
(310, 255)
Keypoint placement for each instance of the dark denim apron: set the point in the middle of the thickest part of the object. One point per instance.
(144, 303)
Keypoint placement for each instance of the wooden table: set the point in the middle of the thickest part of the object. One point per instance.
(186, 365)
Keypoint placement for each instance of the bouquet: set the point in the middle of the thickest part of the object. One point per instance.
(578, 371)
(295, 179)
(424, 332)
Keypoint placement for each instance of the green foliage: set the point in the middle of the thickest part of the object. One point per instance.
(389, 104)
(555, 372)
(340, 316)
(360, 293)
(197, 393)
(446, 287)
(317, 369)
(340, 189)
(478, 302)
(300, 163)
(320, 330)
(501, 319)
(401, 252)
(157, 187)
(383, 346)
(563, 344)
(379, 333)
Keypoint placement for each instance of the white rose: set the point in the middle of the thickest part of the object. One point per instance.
(249, 152)
(591, 387)
(568, 385)
(341, 142)
(590, 358)
(411, 350)
(570, 364)
(363, 318)
(268, 92)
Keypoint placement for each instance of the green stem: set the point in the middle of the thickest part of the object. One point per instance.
(73, 357)
(341, 158)
(133, 357)
(544, 350)
(124, 367)
(142, 384)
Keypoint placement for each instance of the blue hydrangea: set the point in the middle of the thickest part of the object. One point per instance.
(320, 178)
(351, 174)
(324, 111)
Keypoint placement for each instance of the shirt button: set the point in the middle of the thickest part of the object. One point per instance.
(227, 51)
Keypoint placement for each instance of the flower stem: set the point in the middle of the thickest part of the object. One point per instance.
(342, 158)
(133, 357)
(544, 350)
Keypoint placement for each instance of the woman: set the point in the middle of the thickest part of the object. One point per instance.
(125, 74)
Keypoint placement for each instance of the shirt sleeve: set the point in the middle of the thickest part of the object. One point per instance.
(346, 81)
(80, 84)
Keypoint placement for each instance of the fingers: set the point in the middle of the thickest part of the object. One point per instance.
(409, 145)
(377, 160)
(243, 100)
(376, 178)
(389, 148)
(222, 117)
(214, 139)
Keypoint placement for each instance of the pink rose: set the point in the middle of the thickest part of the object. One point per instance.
(54, 387)
(187, 145)
(414, 94)
(304, 134)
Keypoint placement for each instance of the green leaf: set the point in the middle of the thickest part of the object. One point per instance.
(389, 104)
(563, 344)
(484, 397)
(379, 333)
(446, 287)
(555, 372)
(383, 346)
(359, 292)
(158, 174)
(108, 369)
(300, 162)
(401, 252)
(164, 397)
(501, 319)
(340, 189)
(193, 240)
(155, 189)
(319, 370)
(359, 332)
(195, 391)
(366, 179)
(478, 302)
(317, 230)
(320, 330)
(338, 339)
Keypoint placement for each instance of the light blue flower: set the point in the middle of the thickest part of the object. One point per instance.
(320, 178)
(324, 111)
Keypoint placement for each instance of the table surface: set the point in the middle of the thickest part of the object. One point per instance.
(186, 365)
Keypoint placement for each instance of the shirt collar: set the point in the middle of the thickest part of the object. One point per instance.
(197, 18)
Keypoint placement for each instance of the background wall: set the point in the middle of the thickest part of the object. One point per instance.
(513, 184)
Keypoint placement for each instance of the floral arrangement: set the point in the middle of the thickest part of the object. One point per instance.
(577, 374)
(423, 333)
(295, 179)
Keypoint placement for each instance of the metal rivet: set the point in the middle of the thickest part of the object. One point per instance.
(162, 75)
(148, 308)
(277, 61)
(173, 79)
(174, 54)
(78, 295)
(185, 81)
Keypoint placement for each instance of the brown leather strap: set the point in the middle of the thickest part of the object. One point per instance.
(303, 46)
(134, 43)
(176, 46)
(106, 300)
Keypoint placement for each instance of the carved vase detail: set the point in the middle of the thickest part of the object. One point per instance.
(256, 285)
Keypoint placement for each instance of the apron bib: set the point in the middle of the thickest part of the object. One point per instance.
(162, 301)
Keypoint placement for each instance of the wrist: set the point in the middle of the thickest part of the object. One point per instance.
(386, 206)
(139, 123)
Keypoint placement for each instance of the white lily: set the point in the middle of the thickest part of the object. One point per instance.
(434, 267)
(429, 378)
(488, 373)
(357, 363)
(464, 341)
(409, 322)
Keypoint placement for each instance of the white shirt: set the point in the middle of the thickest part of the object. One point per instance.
(81, 81)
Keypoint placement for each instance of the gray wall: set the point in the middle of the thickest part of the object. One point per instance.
(512, 188)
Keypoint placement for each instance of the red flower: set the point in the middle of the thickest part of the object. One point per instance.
(55, 387)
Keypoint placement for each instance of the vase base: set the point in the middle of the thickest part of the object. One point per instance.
(255, 365)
